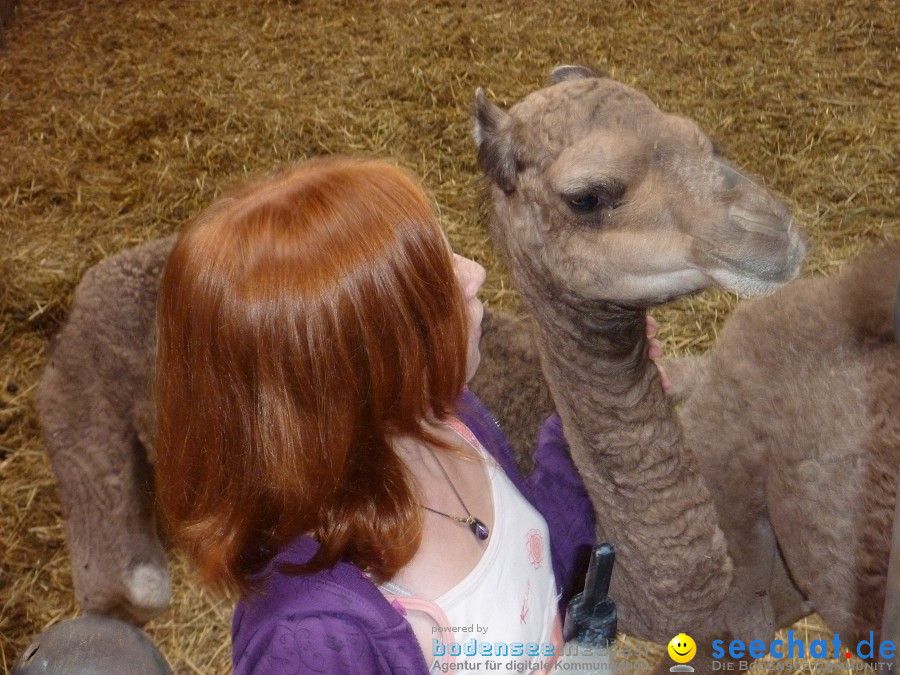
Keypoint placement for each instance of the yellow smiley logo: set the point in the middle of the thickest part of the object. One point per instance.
(682, 648)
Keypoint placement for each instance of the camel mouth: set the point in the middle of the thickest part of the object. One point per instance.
(753, 278)
(756, 254)
(765, 271)
(773, 272)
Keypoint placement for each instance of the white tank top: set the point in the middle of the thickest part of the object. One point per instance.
(506, 608)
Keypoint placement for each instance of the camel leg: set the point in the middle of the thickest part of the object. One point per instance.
(761, 593)
(747, 612)
(845, 583)
(756, 597)
(890, 625)
(788, 603)
(118, 562)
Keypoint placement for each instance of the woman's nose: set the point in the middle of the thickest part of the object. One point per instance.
(471, 275)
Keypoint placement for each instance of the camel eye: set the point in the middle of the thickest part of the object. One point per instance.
(607, 195)
(584, 203)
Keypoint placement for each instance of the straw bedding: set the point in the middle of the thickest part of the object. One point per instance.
(120, 119)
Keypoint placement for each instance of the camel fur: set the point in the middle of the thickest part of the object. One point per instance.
(800, 399)
(604, 207)
(98, 423)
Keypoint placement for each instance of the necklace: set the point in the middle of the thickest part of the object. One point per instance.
(479, 529)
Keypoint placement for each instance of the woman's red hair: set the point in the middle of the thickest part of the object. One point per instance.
(304, 322)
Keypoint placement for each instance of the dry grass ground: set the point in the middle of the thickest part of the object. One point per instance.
(119, 119)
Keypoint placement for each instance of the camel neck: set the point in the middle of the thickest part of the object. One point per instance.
(627, 442)
(595, 355)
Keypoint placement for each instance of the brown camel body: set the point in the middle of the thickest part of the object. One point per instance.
(799, 401)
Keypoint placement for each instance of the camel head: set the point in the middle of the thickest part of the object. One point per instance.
(602, 195)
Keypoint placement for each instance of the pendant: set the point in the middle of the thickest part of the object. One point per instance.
(479, 529)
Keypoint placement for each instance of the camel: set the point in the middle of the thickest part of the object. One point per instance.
(604, 207)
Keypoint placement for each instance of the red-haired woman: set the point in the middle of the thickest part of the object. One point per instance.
(318, 450)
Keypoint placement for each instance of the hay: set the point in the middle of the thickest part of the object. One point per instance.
(120, 119)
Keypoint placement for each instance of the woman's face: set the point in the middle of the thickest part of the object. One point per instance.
(470, 276)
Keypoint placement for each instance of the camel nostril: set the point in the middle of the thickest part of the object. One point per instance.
(31, 651)
(756, 221)
(731, 177)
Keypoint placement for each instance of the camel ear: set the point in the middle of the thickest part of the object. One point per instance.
(564, 73)
(492, 137)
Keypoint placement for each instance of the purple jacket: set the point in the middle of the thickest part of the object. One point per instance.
(337, 621)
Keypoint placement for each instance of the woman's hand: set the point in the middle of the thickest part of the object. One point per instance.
(654, 351)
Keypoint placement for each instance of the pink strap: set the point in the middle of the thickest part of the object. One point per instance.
(431, 610)
(459, 427)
